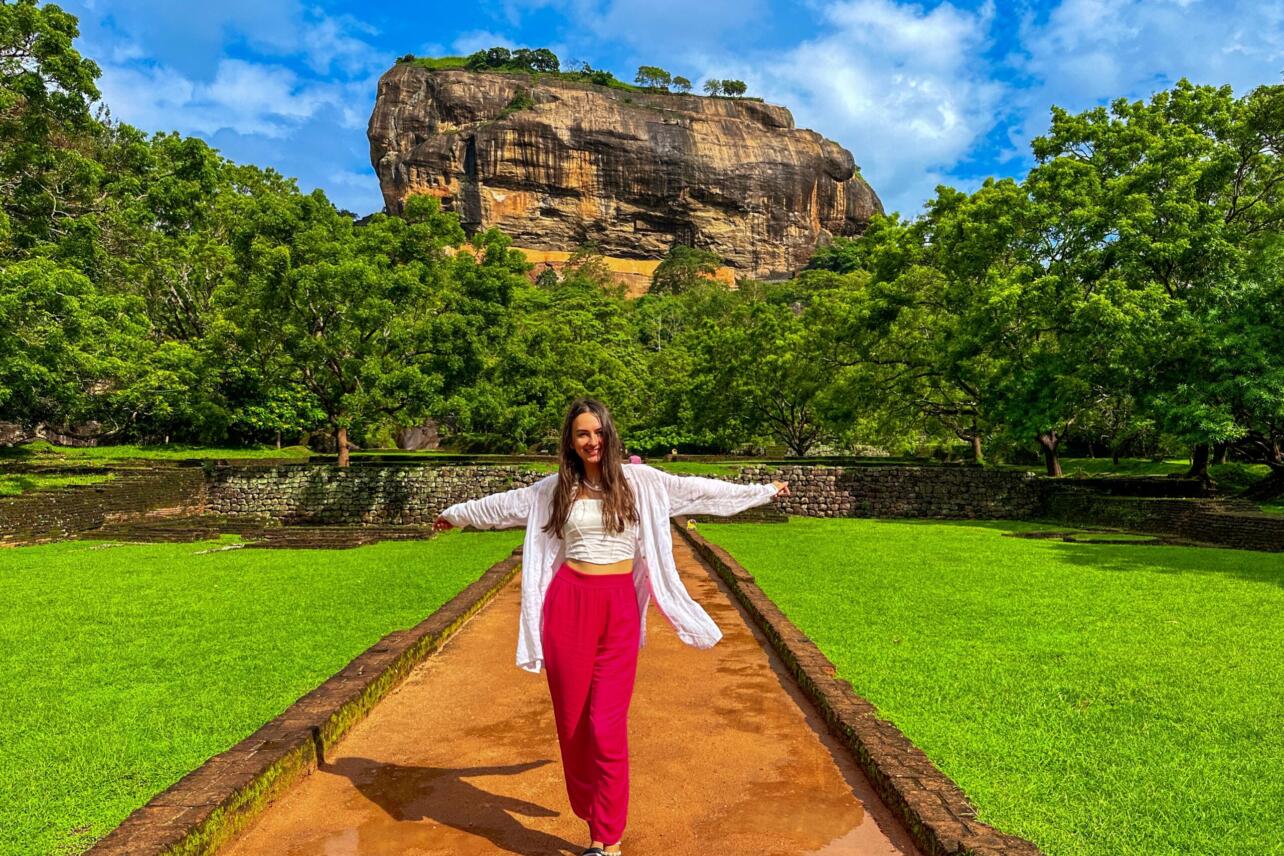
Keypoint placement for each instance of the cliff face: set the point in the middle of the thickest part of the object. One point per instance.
(633, 172)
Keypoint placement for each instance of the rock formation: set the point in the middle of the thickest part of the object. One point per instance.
(634, 172)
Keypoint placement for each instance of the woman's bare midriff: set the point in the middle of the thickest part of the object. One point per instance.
(624, 566)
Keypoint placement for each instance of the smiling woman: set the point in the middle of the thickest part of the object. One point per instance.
(595, 530)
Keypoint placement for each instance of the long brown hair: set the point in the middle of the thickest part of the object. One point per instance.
(618, 504)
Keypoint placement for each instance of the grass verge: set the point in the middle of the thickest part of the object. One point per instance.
(126, 666)
(41, 451)
(15, 484)
(1095, 699)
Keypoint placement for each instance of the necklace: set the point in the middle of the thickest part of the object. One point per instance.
(590, 485)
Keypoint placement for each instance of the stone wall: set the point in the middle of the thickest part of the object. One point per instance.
(45, 514)
(364, 493)
(905, 491)
(1228, 523)
(416, 494)
(399, 493)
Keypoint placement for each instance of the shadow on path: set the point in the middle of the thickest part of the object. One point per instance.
(444, 795)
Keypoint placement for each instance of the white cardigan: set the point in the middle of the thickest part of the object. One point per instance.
(659, 496)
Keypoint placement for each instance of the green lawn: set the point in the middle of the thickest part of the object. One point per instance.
(700, 468)
(1229, 478)
(41, 451)
(123, 667)
(1096, 699)
(14, 484)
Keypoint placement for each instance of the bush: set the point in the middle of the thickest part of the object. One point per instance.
(521, 100)
(660, 441)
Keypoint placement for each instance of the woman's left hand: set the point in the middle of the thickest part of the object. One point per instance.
(782, 488)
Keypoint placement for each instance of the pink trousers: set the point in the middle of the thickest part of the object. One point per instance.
(589, 631)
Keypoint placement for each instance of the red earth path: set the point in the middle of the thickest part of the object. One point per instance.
(726, 757)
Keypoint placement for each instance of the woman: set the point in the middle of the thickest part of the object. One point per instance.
(597, 548)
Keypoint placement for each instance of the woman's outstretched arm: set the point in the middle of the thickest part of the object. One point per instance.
(498, 511)
(699, 495)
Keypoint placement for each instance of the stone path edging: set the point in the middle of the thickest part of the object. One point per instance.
(933, 808)
(212, 803)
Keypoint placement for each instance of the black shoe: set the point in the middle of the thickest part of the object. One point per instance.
(592, 851)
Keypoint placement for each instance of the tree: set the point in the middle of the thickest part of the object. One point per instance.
(46, 88)
(543, 59)
(570, 338)
(734, 88)
(681, 84)
(373, 323)
(906, 330)
(1169, 198)
(713, 86)
(64, 348)
(681, 268)
(653, 77)
(587, 267)
(758, 372)
(547, 278)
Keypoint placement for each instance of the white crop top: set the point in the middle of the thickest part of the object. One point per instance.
(587, 539)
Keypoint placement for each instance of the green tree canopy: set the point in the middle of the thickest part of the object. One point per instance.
(683, 267)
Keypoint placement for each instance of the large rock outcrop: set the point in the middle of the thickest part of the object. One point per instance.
(634, 172)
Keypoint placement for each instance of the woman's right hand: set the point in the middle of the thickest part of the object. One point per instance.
(441, 524)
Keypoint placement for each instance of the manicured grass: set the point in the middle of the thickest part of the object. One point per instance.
(1105, 467)
(1229, 478)
(1273, 507)
(700, 468)
(41, 451)
(18, 483)
(1096, 699)
(123, 667)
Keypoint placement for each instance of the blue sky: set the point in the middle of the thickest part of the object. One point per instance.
(921, 93)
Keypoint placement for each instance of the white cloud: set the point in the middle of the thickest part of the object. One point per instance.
(1088, 52)
(193, 36)
(245, 97)
(328, 40)
(901, 86)
(477, 40)
(916, 91)
(660, 29)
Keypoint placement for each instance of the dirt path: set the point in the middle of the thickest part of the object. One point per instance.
(462, 758)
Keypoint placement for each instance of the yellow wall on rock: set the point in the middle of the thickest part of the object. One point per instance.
(634, 274)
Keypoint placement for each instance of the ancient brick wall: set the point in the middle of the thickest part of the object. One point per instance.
(363, 493)
(1228, 523)
(416, 494)
(44, 514)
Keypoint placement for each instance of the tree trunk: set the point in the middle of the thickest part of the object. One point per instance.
(1199, 463)
(341, 439)
(977, 456)
(1048, 440)
(1221, 453)
(278, 439)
